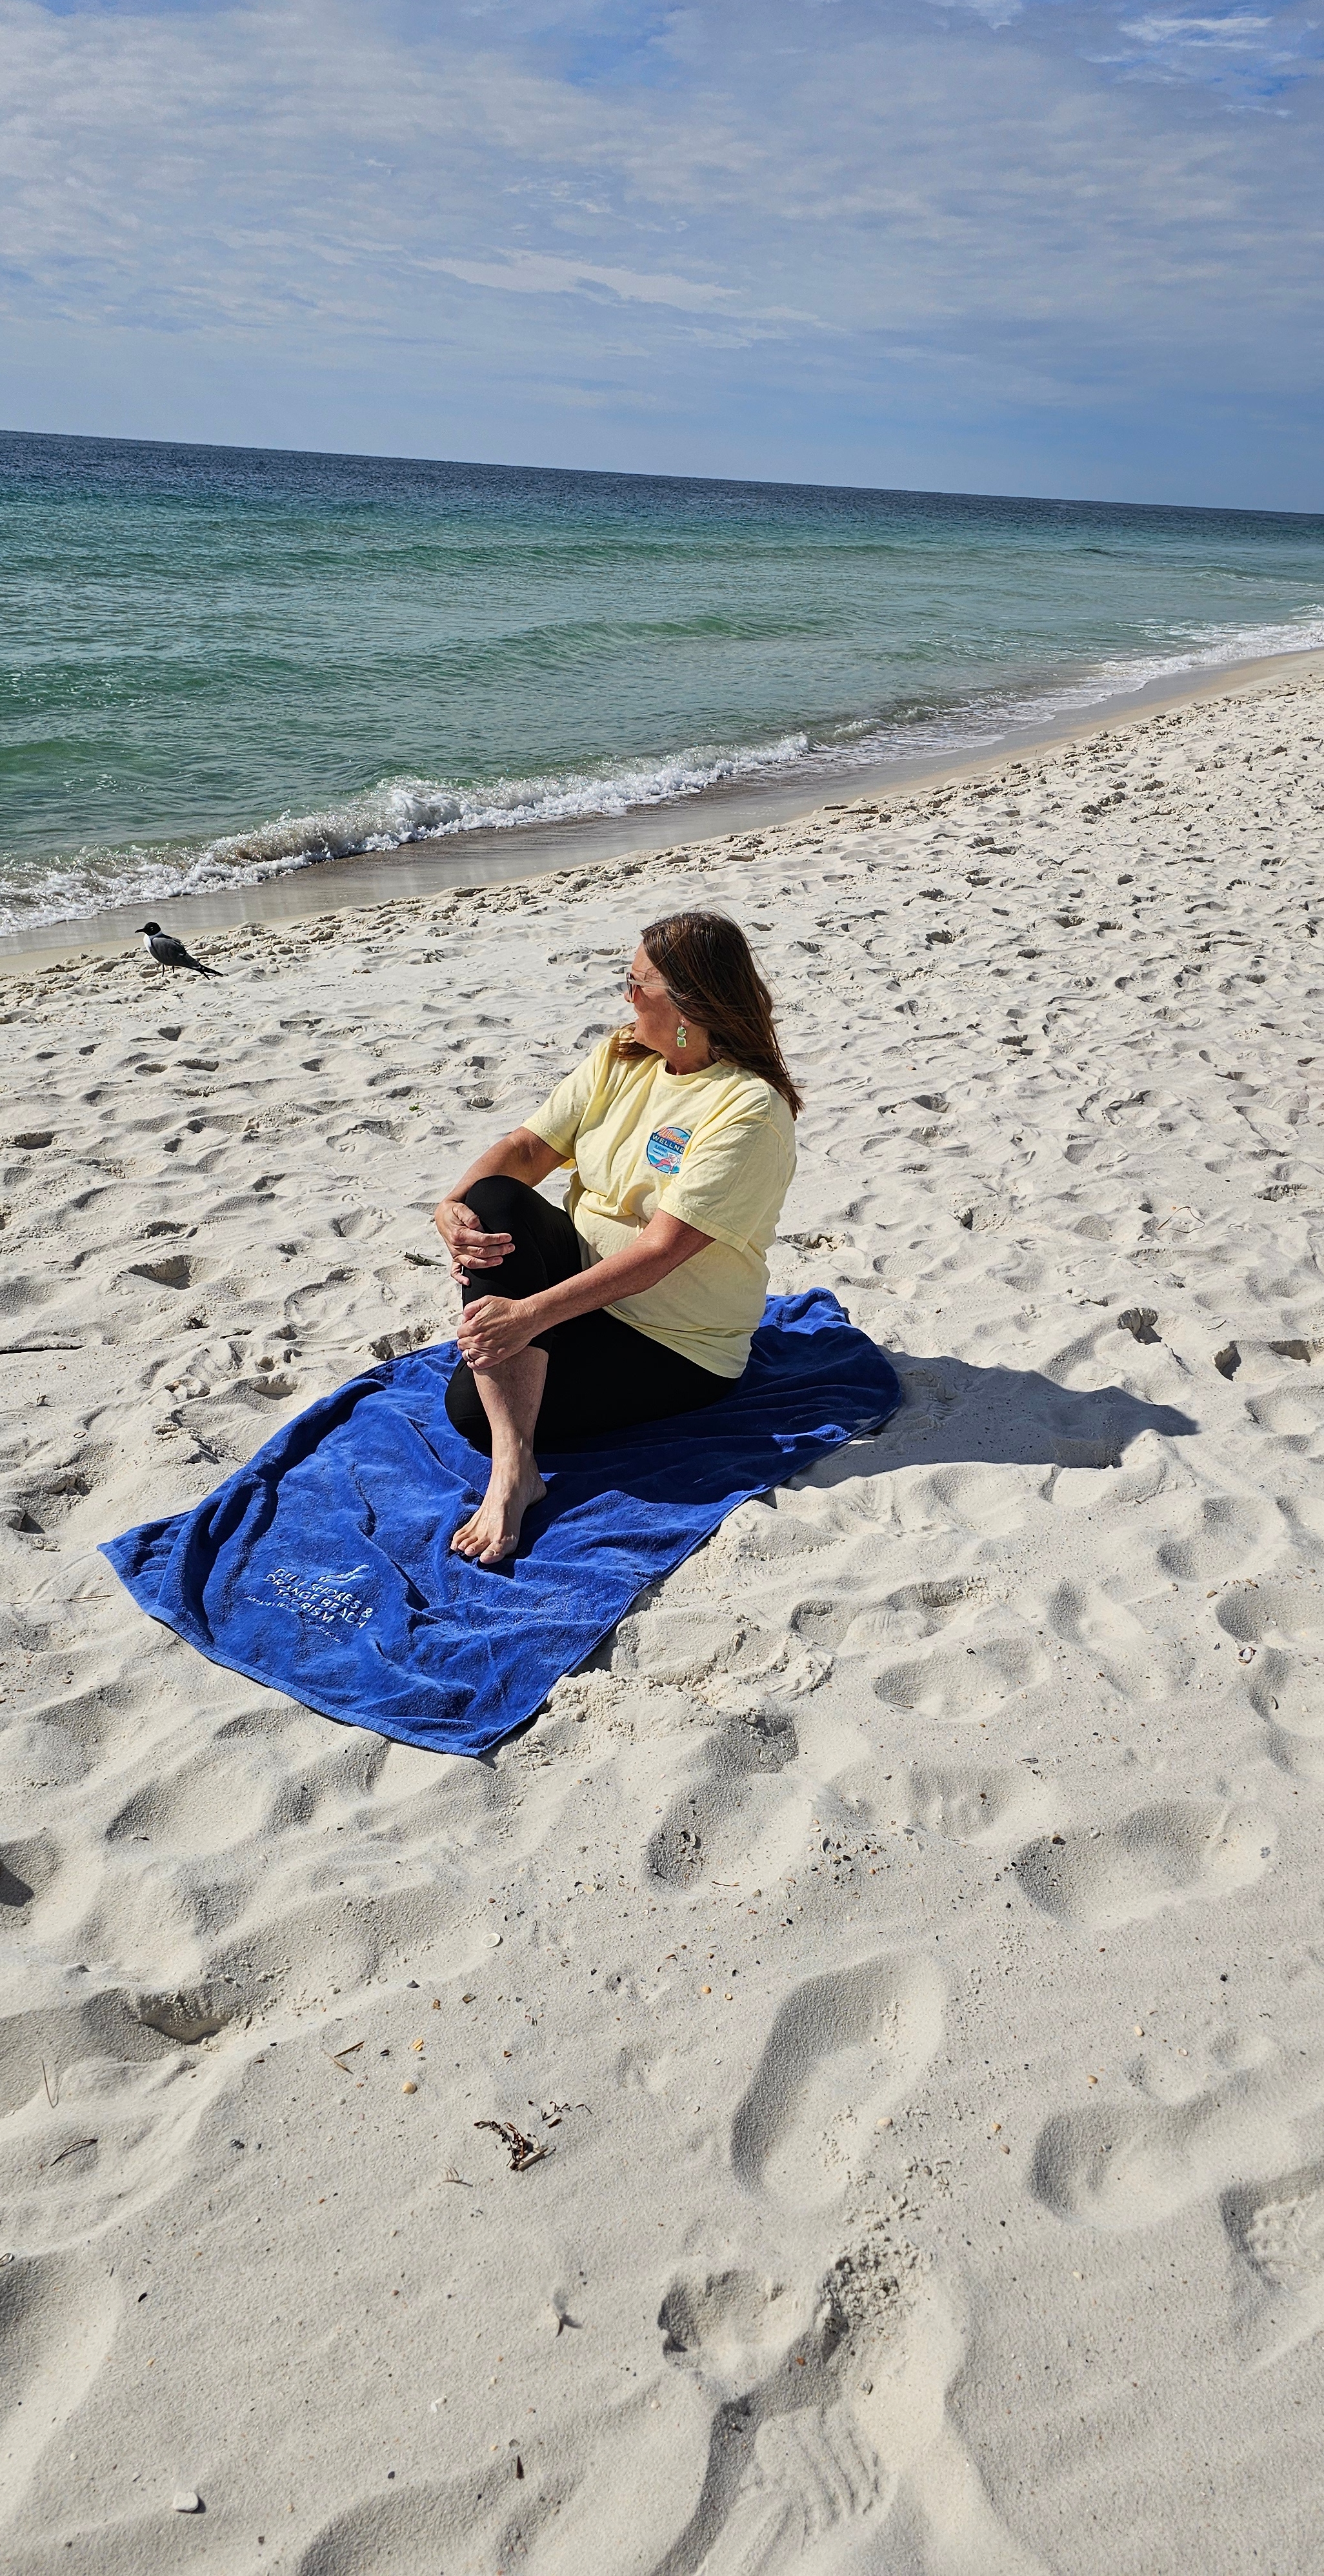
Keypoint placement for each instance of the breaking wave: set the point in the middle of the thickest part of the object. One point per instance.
(386, 817)
(399, 811)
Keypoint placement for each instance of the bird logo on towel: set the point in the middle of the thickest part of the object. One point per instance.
(665, 1147)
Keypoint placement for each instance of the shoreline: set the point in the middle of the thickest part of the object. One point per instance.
(418, 870)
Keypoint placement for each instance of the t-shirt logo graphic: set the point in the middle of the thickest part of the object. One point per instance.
(665, 1147)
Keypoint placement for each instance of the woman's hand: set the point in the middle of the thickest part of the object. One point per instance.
(469, 1247)
(494, 1329)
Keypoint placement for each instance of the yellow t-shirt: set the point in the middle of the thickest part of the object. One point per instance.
(715, 1148)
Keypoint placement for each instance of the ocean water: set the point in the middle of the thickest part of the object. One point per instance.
(219, 663)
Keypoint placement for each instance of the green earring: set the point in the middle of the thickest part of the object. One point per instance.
(681, 1038)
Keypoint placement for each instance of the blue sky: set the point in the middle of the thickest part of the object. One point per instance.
(1050, 246)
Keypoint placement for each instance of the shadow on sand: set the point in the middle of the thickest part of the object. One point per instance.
(954, 1414)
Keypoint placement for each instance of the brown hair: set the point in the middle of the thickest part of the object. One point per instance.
(708, 968)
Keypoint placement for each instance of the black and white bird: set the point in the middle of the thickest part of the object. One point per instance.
(168, 951)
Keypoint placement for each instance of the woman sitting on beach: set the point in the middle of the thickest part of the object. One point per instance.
(638, 1301)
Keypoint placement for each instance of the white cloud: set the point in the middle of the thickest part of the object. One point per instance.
(715, 210)
(995, 13)
(1244, 56)
(1237, 32)
(539, 273)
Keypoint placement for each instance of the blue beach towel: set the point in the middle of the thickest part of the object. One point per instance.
(323, 1566)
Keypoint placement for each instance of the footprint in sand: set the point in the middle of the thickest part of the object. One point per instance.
(92, 2114)
(104, 2026)
(206, 1802)
(819, 1622)
(1278, 2230)
(1133, 1663)
(1225, 1527)
(910, 1615)
(1279, 1628)
(788, 2460)
(1155, 1857)
(841, 2051)
(172, 1270)
(971, 1806)
(971, 1497)
(1294, 1415)
(731, 2326)
(832, 2433)
(431, 2524)
(811, 2474)
(1125, 2164)
(57, 2325)
(686, 1647)
(27, 1869)
(739, 1766)
(961, 1683)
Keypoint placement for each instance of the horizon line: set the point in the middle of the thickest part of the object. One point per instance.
(629, 474)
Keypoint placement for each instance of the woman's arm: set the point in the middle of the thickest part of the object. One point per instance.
(494, 1329)
(520, 1156)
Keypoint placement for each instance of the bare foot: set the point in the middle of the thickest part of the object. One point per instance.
(494, 1529)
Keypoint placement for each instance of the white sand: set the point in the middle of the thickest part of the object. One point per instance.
(912, 1915)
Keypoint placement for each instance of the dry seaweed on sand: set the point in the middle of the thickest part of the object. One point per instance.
(523, 2151)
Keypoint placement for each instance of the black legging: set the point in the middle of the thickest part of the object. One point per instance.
(601, 1374)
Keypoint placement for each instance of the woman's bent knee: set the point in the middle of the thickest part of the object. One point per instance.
(498, 1199)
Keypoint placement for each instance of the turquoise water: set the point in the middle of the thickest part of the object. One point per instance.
(218, 663)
